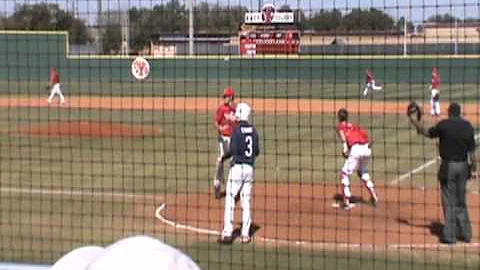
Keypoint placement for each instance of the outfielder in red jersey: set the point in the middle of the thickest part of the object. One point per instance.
(370, 83)
(54, 86)
(435, 89)
(356, 150)
(225, 122)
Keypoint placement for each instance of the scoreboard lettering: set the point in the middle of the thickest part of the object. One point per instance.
(278, 17)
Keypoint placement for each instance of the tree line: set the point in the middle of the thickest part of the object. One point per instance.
(171, 18)
(47, 17)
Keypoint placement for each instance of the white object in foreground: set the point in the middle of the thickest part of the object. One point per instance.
(142, 253)
(77, 259)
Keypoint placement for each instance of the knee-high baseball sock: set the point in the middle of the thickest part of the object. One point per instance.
(365, 92)
(369, 185)
(347, 194)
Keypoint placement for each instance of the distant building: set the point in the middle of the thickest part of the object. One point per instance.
(431, 33)
(468, 32)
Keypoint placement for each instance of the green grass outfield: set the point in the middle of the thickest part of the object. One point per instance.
(255, 88)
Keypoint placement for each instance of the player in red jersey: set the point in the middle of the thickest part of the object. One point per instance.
(225, 122)
(435, 90)
(54, 86)
(370, 80)
(356, 150)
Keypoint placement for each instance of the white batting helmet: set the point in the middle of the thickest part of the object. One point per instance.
(243, 111)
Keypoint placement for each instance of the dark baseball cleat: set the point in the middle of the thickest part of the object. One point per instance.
(348, 206)
(447, 242)
(218, 193)
(224, 239)
(245, 239)
(343, 205)
(374, 201)
(465, 240)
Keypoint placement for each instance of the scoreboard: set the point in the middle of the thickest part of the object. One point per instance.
(269, 32)
(269, 42)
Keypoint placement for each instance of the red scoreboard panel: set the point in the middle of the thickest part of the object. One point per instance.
(269, 42)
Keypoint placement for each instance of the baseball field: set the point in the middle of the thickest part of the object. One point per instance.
(103, 167)
(125, 157)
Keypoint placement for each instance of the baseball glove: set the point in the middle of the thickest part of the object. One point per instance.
(47, 88)
(414, 108)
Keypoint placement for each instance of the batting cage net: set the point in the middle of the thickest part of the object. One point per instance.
(181, 134)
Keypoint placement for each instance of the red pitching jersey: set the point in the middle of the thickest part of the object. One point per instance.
(370, 77)
(225, 116)
(353, 133)
(54, 77)
(435, 80)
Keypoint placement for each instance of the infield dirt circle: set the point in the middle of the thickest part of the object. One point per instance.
(291, 213)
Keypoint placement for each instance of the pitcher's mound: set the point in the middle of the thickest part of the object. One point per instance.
(88, 129)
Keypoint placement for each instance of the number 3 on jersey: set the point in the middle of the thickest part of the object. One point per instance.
(249, 144)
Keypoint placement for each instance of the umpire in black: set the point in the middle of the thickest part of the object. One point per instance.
(457, 151)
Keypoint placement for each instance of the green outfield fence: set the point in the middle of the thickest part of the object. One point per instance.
(30, 54)
(124, 157)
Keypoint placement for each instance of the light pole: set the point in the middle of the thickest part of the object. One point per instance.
(190, 28)
(299, 18)
(124, 21)
(455, 31)
(99, 26)
(405, 36)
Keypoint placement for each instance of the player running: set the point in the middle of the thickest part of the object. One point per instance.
(244, 150)
(225, 122)
(435, 90)
(370, 78)
(356, 148)
(54, 86)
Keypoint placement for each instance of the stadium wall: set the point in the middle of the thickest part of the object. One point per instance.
(29, 56)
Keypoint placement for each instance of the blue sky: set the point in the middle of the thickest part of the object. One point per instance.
(417, 10)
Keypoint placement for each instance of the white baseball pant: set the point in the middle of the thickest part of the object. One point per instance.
(434, 103)
(371, 86)
(240, 180)
(358, 159)
(56, 90)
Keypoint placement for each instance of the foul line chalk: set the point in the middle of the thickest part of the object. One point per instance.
(161, 208)
(76, 193)
(420, 168)
(414, 171)
(159, 216)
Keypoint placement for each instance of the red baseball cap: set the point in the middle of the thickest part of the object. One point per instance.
(229, 92)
